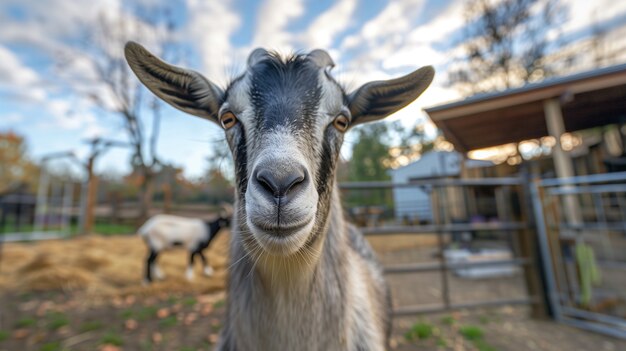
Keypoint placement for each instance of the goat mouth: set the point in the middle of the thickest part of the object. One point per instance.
(284, 229)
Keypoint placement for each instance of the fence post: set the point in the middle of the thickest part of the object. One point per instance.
(42, 200)
(529, 248)
(438, 217)
(68, 194)
(551, 294)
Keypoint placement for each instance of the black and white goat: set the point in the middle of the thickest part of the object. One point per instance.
(302, 278)
(163, 232)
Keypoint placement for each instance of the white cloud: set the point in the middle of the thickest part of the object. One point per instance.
(17, 79)
(211, 26)
(12, 72)
(437, 29)
(391, 42)
(583, 14)
(68, 114)
(326, 26)
(47, 21)
(271, 22)
(413, 56)
(391, 24)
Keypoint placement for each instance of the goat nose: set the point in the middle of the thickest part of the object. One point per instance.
(278, 184)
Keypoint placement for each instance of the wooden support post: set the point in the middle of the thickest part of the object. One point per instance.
(92, 192)
(562, 160)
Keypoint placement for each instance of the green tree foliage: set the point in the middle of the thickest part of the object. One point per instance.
(370, 153)
(377, 148)
(380, 147)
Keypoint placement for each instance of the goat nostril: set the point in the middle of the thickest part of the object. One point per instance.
(293, 184)
(265, 180)
(279, 185)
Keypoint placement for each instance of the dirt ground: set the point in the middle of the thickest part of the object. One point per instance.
(86, 294)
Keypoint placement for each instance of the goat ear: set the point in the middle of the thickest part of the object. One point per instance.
(378, 99)
(184, 89)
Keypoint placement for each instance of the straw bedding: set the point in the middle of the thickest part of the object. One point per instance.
(105, 266)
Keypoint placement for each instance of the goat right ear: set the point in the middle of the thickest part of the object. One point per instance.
(379, 99)
(184, 89)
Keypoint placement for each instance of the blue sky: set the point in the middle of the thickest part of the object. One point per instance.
(368, 40)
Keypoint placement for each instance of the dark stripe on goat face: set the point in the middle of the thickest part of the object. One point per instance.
(328, 160)
(240, 159)
(285, 93)
(325, 180)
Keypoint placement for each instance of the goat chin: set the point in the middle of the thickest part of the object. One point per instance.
(281, 243)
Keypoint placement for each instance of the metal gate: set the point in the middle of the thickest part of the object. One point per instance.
(465, 212)
(581, 226)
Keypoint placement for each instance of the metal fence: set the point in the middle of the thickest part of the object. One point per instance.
(470, 214)
(46, 215)
(581, 225)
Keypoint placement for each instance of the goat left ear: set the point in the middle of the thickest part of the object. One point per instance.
(379, 99)
(184, 89)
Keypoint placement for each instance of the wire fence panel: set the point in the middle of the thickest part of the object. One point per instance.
(450, 243)
(50, 214)
(581, 222)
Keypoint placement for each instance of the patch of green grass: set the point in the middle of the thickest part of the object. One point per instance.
(447, 320)
(190, 301)
(57, 320)
(216, 327)
(12, 227)
(219, 303)
(172, 300)
(51, 346)
(147, 312)
(90, 326)
(419, 331)
(441, 342)
(112, 229)
(185, 348)
(25, 296)
(111, 338)
(3, 335)
(475, 335)
(472, 332)
(206, 344)
(168, 322)
(25, 322)
(103, 228)
(481, 345)
(127, 314)
(146, 345)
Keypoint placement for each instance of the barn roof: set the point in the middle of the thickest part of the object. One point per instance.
(588, 99)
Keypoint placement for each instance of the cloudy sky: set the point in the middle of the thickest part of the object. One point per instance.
(371, 39)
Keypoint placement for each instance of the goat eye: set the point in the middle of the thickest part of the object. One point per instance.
(342, 123)
(228, 120)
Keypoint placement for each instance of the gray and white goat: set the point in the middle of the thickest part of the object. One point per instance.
(301, 277)
(163, 231)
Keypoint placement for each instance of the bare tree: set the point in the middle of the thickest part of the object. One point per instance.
(506, 43)
(98, 147)
(109, 84)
